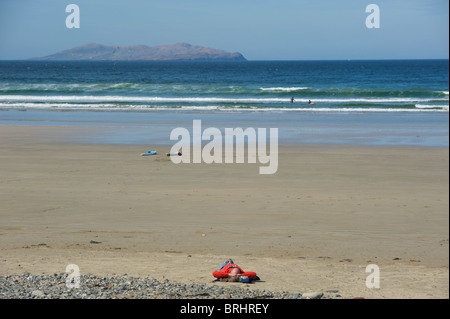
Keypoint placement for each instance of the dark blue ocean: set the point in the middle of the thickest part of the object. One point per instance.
(396, 102)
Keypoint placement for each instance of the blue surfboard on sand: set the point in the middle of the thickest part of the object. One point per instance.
(149, 153)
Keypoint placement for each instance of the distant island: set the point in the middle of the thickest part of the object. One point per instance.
(173, 52)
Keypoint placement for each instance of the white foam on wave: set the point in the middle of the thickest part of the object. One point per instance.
(90, 98)
(143, 99)
(63, 106)
(431, 106)
(285, 89)
(143, 107)
(345, 110)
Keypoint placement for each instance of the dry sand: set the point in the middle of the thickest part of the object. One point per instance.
(315, 225)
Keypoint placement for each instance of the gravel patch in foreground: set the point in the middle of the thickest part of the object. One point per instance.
(28, 286)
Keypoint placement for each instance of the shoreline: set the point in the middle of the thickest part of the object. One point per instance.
(308, 128)
(325, 215)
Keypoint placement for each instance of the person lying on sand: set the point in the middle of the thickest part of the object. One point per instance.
(231, 272)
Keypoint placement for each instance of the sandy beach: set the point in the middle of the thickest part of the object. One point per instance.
(315, 225)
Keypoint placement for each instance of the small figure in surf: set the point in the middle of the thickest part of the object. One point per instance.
(292, 100)
(174, 154)
(310, 102)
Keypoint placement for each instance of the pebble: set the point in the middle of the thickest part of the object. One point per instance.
(312, 295)
(53, 286)
(37, 293)
(333, 291)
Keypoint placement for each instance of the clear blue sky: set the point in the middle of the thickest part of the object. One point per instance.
(259, 29)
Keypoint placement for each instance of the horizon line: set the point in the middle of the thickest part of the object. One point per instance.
(247, 60)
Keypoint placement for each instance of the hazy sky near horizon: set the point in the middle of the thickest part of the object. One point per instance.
(259, 29)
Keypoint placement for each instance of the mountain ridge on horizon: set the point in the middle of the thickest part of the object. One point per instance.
(173, 52)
